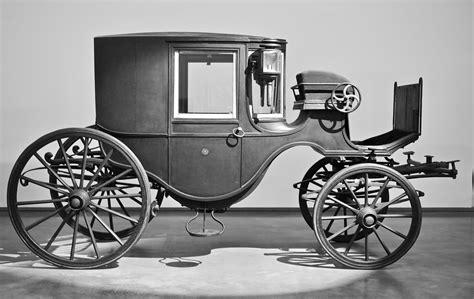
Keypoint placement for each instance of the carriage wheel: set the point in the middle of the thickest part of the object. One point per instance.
(384, 242)
(83, 180)
(74, 149)
(313, 181)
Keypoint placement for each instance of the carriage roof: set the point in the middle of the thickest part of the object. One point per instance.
(134, 75)
(198, 37)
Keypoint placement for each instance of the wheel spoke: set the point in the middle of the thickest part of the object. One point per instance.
(84, 159)
(313, 181)
(37, 202)
(332, 221)
(310, 196)
(132, 198)
(99, 168)
(45, 218)
(382, 243)
(123, 184)
(44, 185)
(66, 159)
(74, 237)
(110, 211)
(366, 198)
(345, 217)
(341, 231)
(111, 220)
(96, 209)
(342, 204)
(123, 208)
(366, 245)
(392, 230)
(351, 242)
(52, 171)
(106, 227)
(352, 193)
(116, 195)
(395, 200)
(382, 189)
(58, 230)
(96, 188)
(91, 233)
(394, 215)
(329, 207)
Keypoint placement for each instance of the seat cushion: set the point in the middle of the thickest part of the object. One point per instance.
(384, 139)
(319, 77)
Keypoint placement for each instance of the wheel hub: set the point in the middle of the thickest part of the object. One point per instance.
(367, 217)
(79, 199)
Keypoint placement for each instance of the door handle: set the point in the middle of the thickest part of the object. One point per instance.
(238, 132)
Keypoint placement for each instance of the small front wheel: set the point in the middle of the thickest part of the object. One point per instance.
(311, 185)
(56, 202)
(389, 228)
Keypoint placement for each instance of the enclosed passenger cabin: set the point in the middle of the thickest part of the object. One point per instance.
(181, 101)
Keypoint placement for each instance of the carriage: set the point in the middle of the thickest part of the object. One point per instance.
(199, 117)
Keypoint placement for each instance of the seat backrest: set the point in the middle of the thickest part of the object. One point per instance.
(407, 107)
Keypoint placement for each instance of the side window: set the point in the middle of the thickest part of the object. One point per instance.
(204, 84)
(267, 97)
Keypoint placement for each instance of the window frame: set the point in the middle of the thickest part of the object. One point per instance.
(176, 76)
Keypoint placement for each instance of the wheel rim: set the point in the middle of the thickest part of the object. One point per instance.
(313, 181)
(71, 191)
(389, 229)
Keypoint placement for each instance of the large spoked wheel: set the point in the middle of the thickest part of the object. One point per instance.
(313, 181)
(40, 207)
(387, 236)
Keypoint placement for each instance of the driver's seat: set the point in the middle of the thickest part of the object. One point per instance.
(406, 119)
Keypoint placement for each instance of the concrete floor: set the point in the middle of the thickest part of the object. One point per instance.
(261, 255)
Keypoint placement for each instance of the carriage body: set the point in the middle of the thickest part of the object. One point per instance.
(199, 117)
(149, 95)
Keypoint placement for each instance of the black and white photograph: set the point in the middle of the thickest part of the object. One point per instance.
(236, 149)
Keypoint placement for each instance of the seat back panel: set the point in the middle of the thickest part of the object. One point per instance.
(407, 107)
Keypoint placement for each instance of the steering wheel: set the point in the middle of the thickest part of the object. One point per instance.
(350, 99)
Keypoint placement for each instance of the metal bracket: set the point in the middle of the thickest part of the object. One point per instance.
(156, 204)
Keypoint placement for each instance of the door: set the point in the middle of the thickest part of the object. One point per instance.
(205, 157)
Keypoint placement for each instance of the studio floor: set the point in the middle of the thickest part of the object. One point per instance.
(262, 254)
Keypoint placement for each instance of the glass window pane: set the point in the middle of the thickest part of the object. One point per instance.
(206, 84)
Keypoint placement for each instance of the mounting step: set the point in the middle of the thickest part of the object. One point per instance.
(205, 232)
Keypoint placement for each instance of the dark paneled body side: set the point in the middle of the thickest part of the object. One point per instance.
(151, 110)
(152, 153)
(131, 79)
(204, 167)
(115, 83)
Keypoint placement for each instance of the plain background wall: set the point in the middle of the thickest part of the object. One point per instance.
(47, 71)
